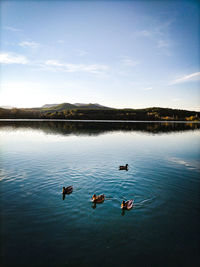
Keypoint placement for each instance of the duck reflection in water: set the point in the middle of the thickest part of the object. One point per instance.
(123, 212)
(94, 205)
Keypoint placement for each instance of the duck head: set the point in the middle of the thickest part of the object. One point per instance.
(94, 197)
(123, 204)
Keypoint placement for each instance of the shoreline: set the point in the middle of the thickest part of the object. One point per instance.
(106, 121)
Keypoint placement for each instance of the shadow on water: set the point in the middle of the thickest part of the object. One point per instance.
(98, 128)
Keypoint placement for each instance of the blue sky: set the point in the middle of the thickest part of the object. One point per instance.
(133, 54)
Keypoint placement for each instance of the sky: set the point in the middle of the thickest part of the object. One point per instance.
(121, 54)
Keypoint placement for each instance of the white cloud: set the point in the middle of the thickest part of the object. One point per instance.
(187, 78)
(68, 67)
(6, 58)
(29, 44)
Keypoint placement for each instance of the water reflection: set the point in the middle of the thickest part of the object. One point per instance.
(94, 205)
(163, 179)
(97, 128)
(64, 195)
(123, 212)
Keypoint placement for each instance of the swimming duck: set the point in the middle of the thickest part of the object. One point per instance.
(67, 190)
(98, 199)
(127, 204)
(124, 167)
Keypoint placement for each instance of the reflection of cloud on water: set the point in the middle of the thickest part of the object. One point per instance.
(188, 164)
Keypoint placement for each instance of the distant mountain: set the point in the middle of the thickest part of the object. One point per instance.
(95, 105)
(91, 106)
(58, 107)
(80, 104)
(67, 106)
(49, 105)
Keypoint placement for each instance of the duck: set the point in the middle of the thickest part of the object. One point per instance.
(123, 167)
(67, 190)
(127, 204)
(98, 199)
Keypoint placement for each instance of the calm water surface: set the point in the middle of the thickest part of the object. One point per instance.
(40, 228)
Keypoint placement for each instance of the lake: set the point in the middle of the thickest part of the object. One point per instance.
(41, 228)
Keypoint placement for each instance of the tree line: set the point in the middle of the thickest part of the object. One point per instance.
(148, 114)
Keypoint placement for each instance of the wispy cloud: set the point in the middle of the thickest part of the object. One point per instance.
(158, 30)
(7, 58)
(163, 43)
(61, 41)
(126, 61)
(81, 53)
(146, 33)
(55, 65)
(160, 35)
(187, 78)
(68, 67)
(29, 44)
(13, 29)
(163, 28)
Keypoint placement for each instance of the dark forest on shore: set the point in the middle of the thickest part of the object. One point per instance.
(93, 112)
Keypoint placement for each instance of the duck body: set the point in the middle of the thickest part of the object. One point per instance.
(124, 167)
(127, 204)
(67, 190)
(98, 199)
